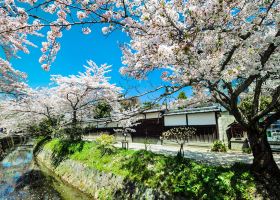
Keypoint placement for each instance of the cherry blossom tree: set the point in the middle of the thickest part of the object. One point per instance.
(126, 119)
(222, 49)
(17, 114)
(79, 94)
(179, 135)
(71, 99)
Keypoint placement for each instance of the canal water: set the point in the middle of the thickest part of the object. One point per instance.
(21, 178)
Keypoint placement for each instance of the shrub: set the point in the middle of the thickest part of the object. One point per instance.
(70, 133)
(219, 146)
(105, 143)
(44, 128)
(247, 150)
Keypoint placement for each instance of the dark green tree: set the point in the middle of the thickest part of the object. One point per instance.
(246, 104)
(102, 110)
(182, 95)
(149, 105)
(44, 128)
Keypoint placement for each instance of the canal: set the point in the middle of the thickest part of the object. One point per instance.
(22, 178)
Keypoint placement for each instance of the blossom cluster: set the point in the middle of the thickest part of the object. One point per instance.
(220, 48)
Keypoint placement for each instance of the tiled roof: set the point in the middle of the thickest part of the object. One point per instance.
(193, 110)
(154, 110)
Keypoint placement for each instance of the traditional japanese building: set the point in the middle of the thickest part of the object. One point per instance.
(211, 123)
(153, 122)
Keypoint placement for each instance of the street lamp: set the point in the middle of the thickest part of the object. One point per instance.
(125, 142)
(124, 136)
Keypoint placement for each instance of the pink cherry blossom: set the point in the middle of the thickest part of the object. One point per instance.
(86, 30)
(81, 15)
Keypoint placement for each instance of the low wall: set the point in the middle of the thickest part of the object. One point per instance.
(9, 142)
(100, 185)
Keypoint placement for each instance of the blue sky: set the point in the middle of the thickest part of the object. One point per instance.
(76, 49)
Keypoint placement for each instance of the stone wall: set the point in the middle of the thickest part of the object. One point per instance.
(100, 185)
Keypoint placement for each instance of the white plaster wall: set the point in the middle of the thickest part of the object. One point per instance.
(92, 124)
(175, 120)
(112, 125)
(141, 116)
(202, 118)
(101, 125)
(152, 115)
(107, 125)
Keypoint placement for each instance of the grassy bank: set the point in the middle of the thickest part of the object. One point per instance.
(182, 177)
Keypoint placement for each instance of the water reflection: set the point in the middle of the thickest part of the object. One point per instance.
(21, 178)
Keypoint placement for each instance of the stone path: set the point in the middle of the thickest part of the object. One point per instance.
(201, 154)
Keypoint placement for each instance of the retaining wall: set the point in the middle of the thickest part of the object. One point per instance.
(98, 184)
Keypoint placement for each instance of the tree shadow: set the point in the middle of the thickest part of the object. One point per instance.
(61, 151)
(33, 179)
(138, 164)
(64, 149)
(141, 170)
(36, 184)
(270, 187)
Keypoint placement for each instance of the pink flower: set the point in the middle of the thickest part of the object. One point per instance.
(61, 14)
(45, 46)
(81, 15)
(46, 67)
(42, 58)
(86, 30)
(105, 30)
(9, 1)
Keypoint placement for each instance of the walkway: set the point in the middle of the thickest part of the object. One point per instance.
(201, 154)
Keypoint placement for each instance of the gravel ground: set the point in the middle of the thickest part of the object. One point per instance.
(201, 154)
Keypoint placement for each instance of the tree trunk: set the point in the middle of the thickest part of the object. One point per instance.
(264, 167)
(181, 152)
(74, 119)
(73, 131)
(263, 163)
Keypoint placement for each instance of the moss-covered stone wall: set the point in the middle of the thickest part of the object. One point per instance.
(96, 183)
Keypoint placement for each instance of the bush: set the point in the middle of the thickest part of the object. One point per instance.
(105, 143)
(71, 133)
(219, 146)
(247, 150)
(44, 128)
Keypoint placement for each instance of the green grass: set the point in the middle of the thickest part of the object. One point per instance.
(174, 175)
